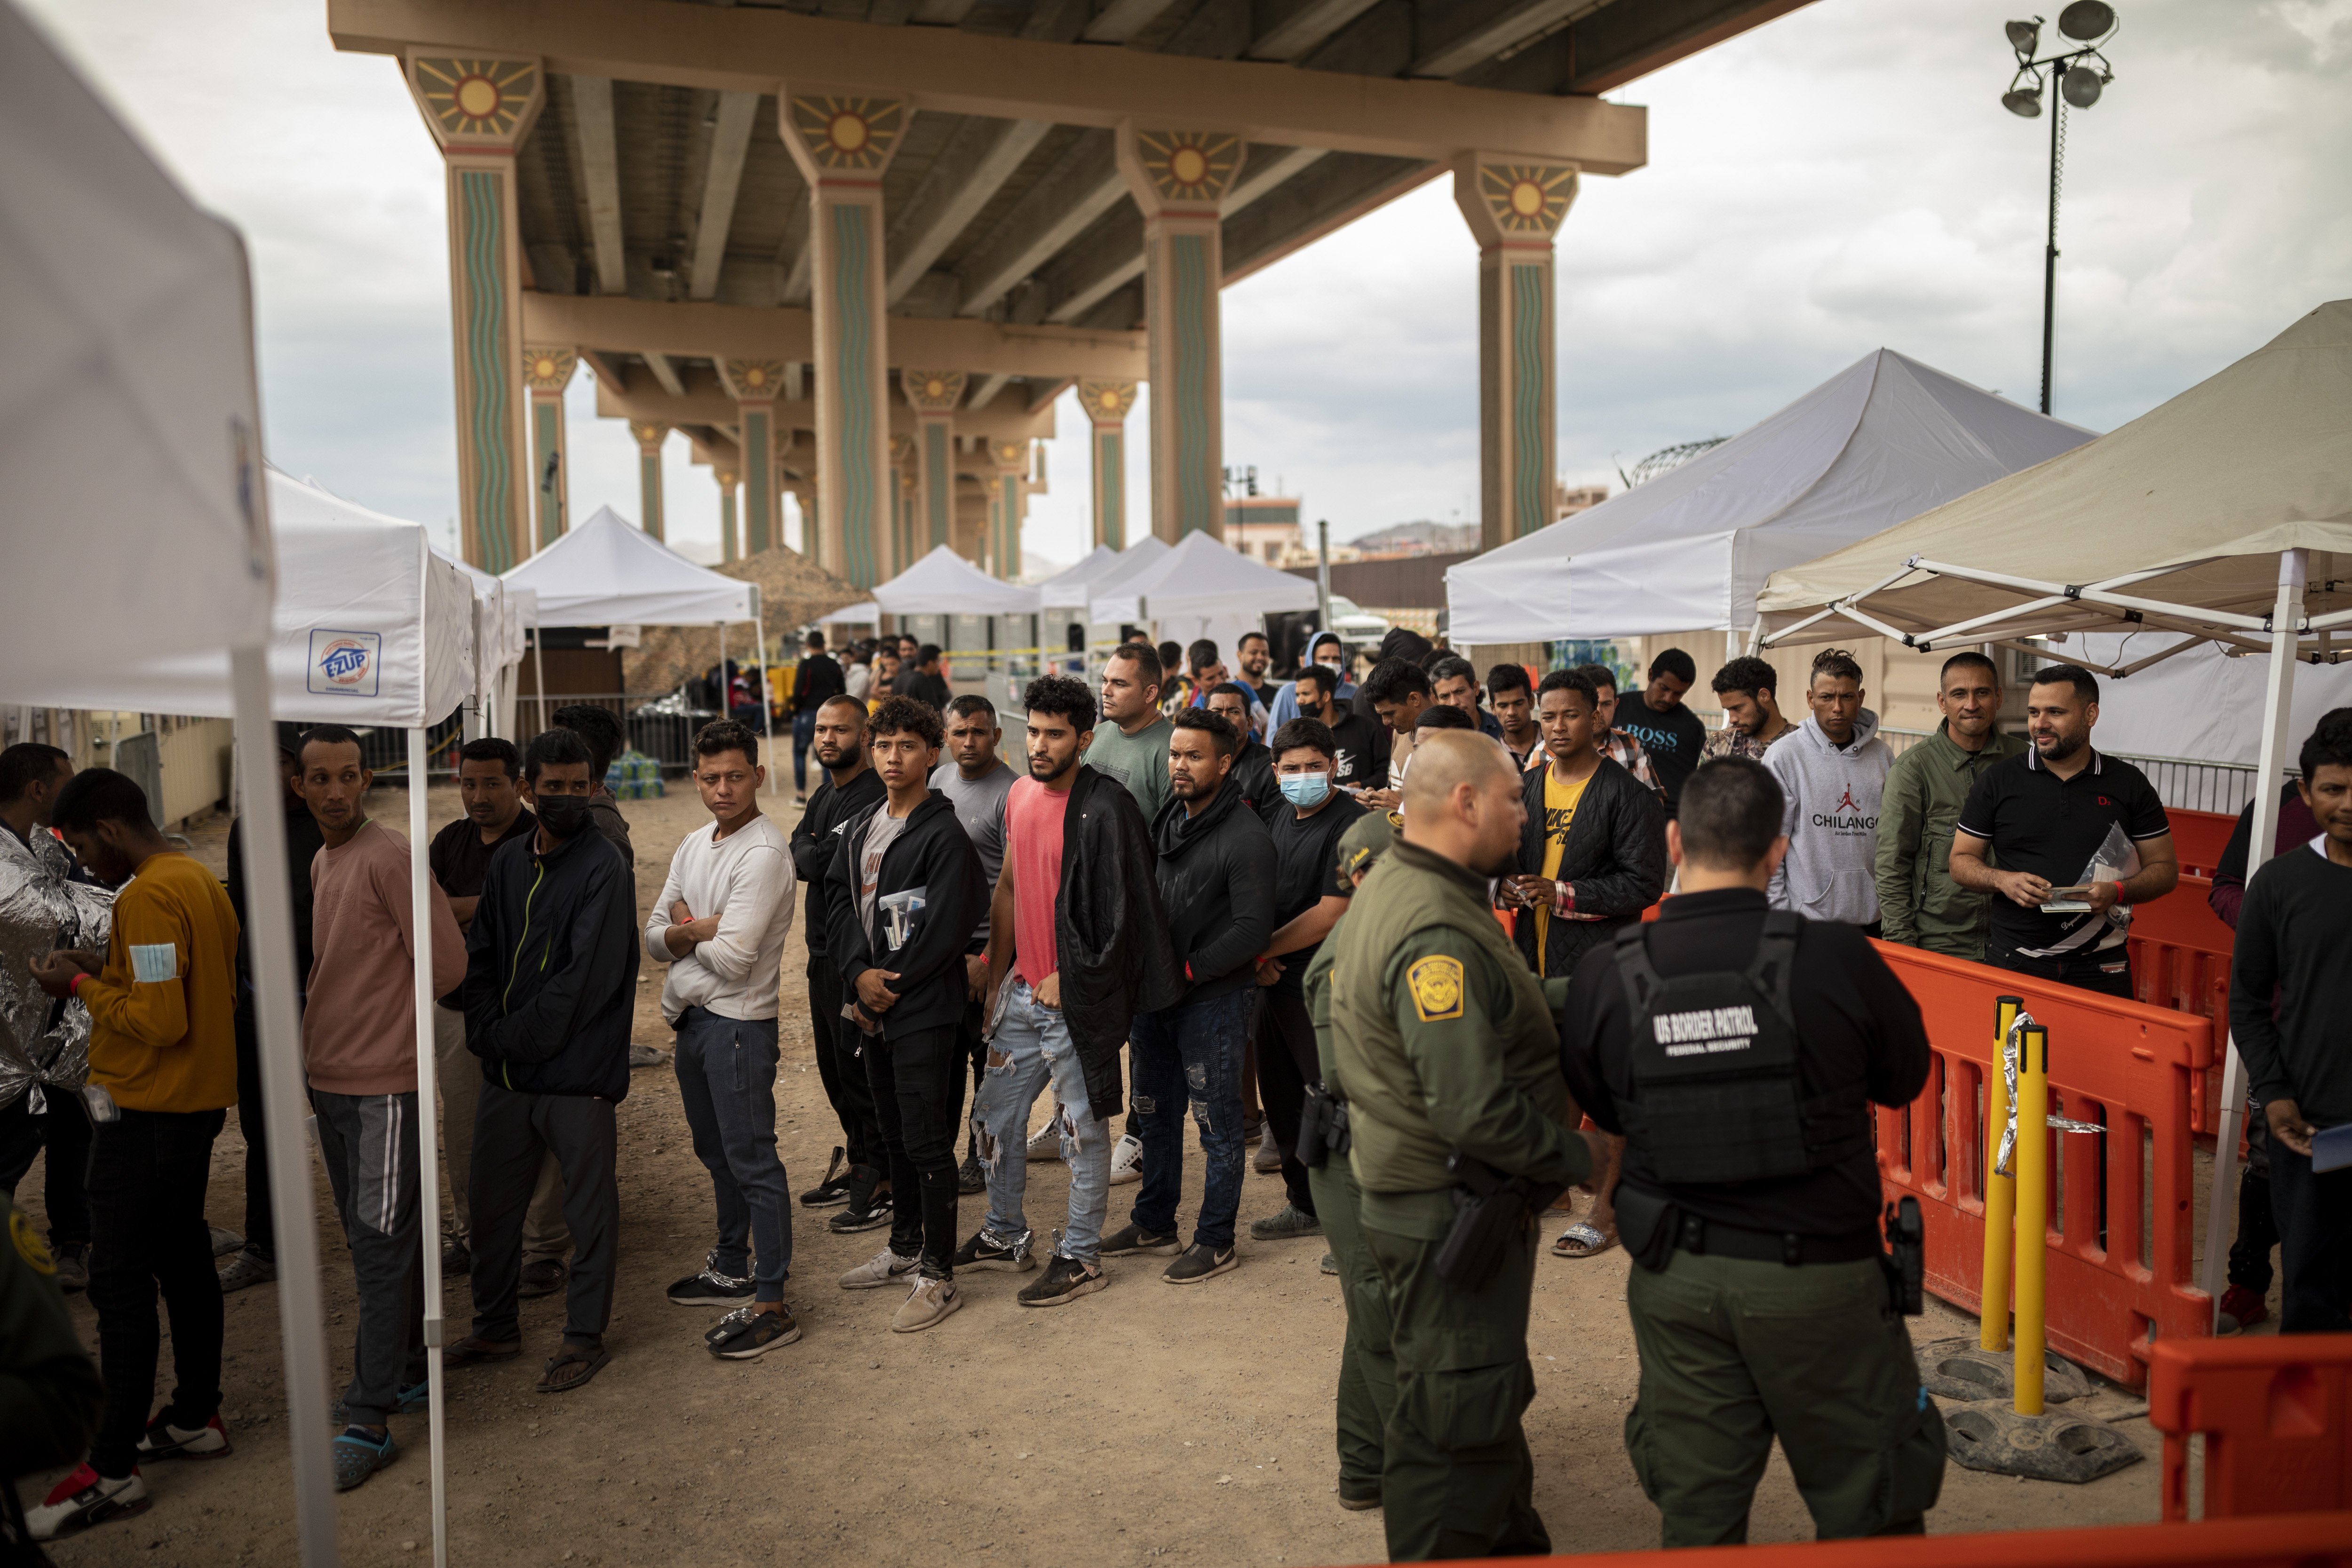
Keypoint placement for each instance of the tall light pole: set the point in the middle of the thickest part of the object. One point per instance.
(2079, 72)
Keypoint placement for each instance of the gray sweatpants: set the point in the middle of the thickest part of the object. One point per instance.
(543, 1231)
(370, 1143)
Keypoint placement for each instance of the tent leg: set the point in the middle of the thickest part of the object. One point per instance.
(726, 685)
(301, 1312)
(2278, 704)
(428, 1142)
(767, 702)
(539, 676)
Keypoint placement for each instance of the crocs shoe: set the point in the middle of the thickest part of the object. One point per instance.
(83, 1499)
(247, 1268)
(358, 1454)
(166, 1441)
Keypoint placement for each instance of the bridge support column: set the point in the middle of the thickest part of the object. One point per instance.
(753, 385)
(1108, 403)
(933, 394)
(729, 548)
(1514, 208)
(1008, 504)
(649, 474)
(546, 372)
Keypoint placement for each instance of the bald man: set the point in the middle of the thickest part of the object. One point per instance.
(1444, 1046)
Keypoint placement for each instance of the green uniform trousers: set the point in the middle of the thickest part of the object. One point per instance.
(1367, 1364)
(1456, 1478)
(1734, 1351)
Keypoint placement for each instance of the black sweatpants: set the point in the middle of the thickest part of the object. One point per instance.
(512, 1133)
(2315, 1222)
(917, 1081)
(837, 1066)
(1285, 1066)
(63, 1128)
(2249, 1254)
(260, 1226)
(147, 1177)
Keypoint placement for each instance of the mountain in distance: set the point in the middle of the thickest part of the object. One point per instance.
(1433, 538)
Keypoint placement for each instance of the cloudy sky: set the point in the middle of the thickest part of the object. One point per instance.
(1841, 180)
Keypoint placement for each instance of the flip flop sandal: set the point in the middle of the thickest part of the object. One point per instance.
(471, 1352)
(1582, 1240)
(358, 1456)
(593, 1360)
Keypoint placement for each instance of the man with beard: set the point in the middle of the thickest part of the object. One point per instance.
(849, 788)
(1255, 655)
(978, 781)
(1359, 751)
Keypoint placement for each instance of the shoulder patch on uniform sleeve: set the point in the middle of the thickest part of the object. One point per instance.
(28, 1244)
(155, 961)
(1436, 983)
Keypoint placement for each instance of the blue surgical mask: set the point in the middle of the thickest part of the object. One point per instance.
(1306, 789)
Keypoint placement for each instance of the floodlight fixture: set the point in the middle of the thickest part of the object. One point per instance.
(2077, 74)
(2087, 21)
(2082, 86)
(2024, 37)
(2023, 101)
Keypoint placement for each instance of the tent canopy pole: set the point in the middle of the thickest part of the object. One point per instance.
(767, 702)
(428, 1143)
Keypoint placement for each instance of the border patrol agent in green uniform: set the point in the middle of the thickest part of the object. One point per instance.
(1443, 1044)
(1739, 1048)
(1367, 1364)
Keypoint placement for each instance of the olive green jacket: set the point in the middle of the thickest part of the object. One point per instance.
(1442, 1038)
(1919, 905)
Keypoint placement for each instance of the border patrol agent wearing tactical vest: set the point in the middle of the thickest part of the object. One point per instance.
(1446, 1048)
(1739, 1050)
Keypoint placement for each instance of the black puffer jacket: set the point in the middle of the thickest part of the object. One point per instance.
(1252, 774)
(1111, 937)
(932, 857)
(1615, 857)
(552, 968)
(1216, 882)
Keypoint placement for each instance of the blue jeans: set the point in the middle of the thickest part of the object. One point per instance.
(1191, 1050)
(1031, 1047)
(803, 736)
(727, 1085)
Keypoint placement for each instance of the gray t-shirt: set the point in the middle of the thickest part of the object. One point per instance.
(980, 807)
(879, 834)
(1138, 761)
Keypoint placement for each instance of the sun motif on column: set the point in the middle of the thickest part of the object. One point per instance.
(1188, 166)
(849, 133)
(1106, 402)
(1528, 198)
(1009, 454)
(933, 391)
(549, 370)
(476, 100)
(648, 435)
(752, 380)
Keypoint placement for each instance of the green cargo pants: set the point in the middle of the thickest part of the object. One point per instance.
(1367, 1365)
(1457, 1480)
(1736, 1351)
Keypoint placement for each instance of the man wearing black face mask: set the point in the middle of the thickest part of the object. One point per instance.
(550, 983)
(1360, 758)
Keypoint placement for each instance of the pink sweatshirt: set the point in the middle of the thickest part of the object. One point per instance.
(359, 1023)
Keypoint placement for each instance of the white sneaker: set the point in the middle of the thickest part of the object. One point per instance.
(85, 1498)
(1127, 1160)
(925, 1304)
(885, 1268)
(1045, 1143)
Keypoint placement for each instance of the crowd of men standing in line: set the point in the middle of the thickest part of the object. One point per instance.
(1159, 911)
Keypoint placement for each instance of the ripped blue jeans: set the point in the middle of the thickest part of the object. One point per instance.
(1031, 1048)
(1191, 1051)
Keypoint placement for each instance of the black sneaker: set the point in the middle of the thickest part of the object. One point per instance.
(1064, 1279)
(969, 1177)
(543, 1277)
(710, 1288)
(744, 1335)
(987, 1250)
(1287, 1225)
(869, 1202)
(1135, 1238)
(1201, 1261)
(457, 1257)
(834, 1190)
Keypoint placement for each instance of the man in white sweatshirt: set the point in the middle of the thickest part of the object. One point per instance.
(720, 924)
(1832, 769)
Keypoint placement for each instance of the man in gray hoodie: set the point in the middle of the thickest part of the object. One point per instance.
(1832, 769)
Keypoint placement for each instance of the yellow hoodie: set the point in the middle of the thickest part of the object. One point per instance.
(162, 1034)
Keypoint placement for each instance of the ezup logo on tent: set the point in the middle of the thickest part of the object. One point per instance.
(344, 664)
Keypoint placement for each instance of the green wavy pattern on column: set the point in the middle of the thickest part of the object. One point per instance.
(1196, 489)
(490, 377)
(726, 526)
(1009, 513)
(1110, 484)
(545, 432)
(759, 481)
(649, 491)
(1531, 486)
(856, 373)
(938, 481)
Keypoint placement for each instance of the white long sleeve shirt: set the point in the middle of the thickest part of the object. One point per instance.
(747, 880)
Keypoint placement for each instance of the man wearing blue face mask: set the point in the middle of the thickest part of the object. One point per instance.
(1307, 905)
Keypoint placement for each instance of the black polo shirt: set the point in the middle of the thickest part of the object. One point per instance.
(2052, 827)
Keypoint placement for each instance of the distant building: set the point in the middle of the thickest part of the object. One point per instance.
(1264, 527)
(1566, 498)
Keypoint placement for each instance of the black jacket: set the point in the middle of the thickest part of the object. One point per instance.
(1110, 939)
(930, 688)
(1216, 882)
(552, 968)
(1252, 775)
(814, 842)
(1615, 857)
(816, 681)
(930, 856)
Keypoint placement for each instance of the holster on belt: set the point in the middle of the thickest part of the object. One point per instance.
(1322, 1127)
(1647, 1225)
(1489, 1210)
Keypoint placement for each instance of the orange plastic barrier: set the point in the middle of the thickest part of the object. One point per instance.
(2276, 1414)
(2120, 1238)
(2180, 958)
(2199, 838)
(2283, 1541)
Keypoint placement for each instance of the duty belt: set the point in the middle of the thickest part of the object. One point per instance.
(1716, 1238)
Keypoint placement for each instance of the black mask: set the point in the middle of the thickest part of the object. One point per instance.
(564, 815)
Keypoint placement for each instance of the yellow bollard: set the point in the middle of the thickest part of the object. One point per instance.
(2000, 1191)
(2032, 1222)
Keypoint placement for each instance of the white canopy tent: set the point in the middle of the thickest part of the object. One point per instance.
(1883, 439)
(1202, 587)
(944, 583)
(1109, 598)
(131, 434)
(609, 572)
(2223, 517)
(1066, 590)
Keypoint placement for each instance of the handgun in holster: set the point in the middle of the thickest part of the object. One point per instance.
(1906, 1258)
(1322, 1127)
(1489, 1210)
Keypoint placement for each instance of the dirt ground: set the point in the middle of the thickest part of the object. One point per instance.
(1141, 1423)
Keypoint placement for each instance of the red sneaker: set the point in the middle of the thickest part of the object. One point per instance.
(84, 1499)
(2242, 1309)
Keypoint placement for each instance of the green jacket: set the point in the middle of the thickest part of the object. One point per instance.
(1919, 905)
(1442, 1039)
(50, 1396)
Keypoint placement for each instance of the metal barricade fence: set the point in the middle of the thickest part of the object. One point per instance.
(2121, 1255)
